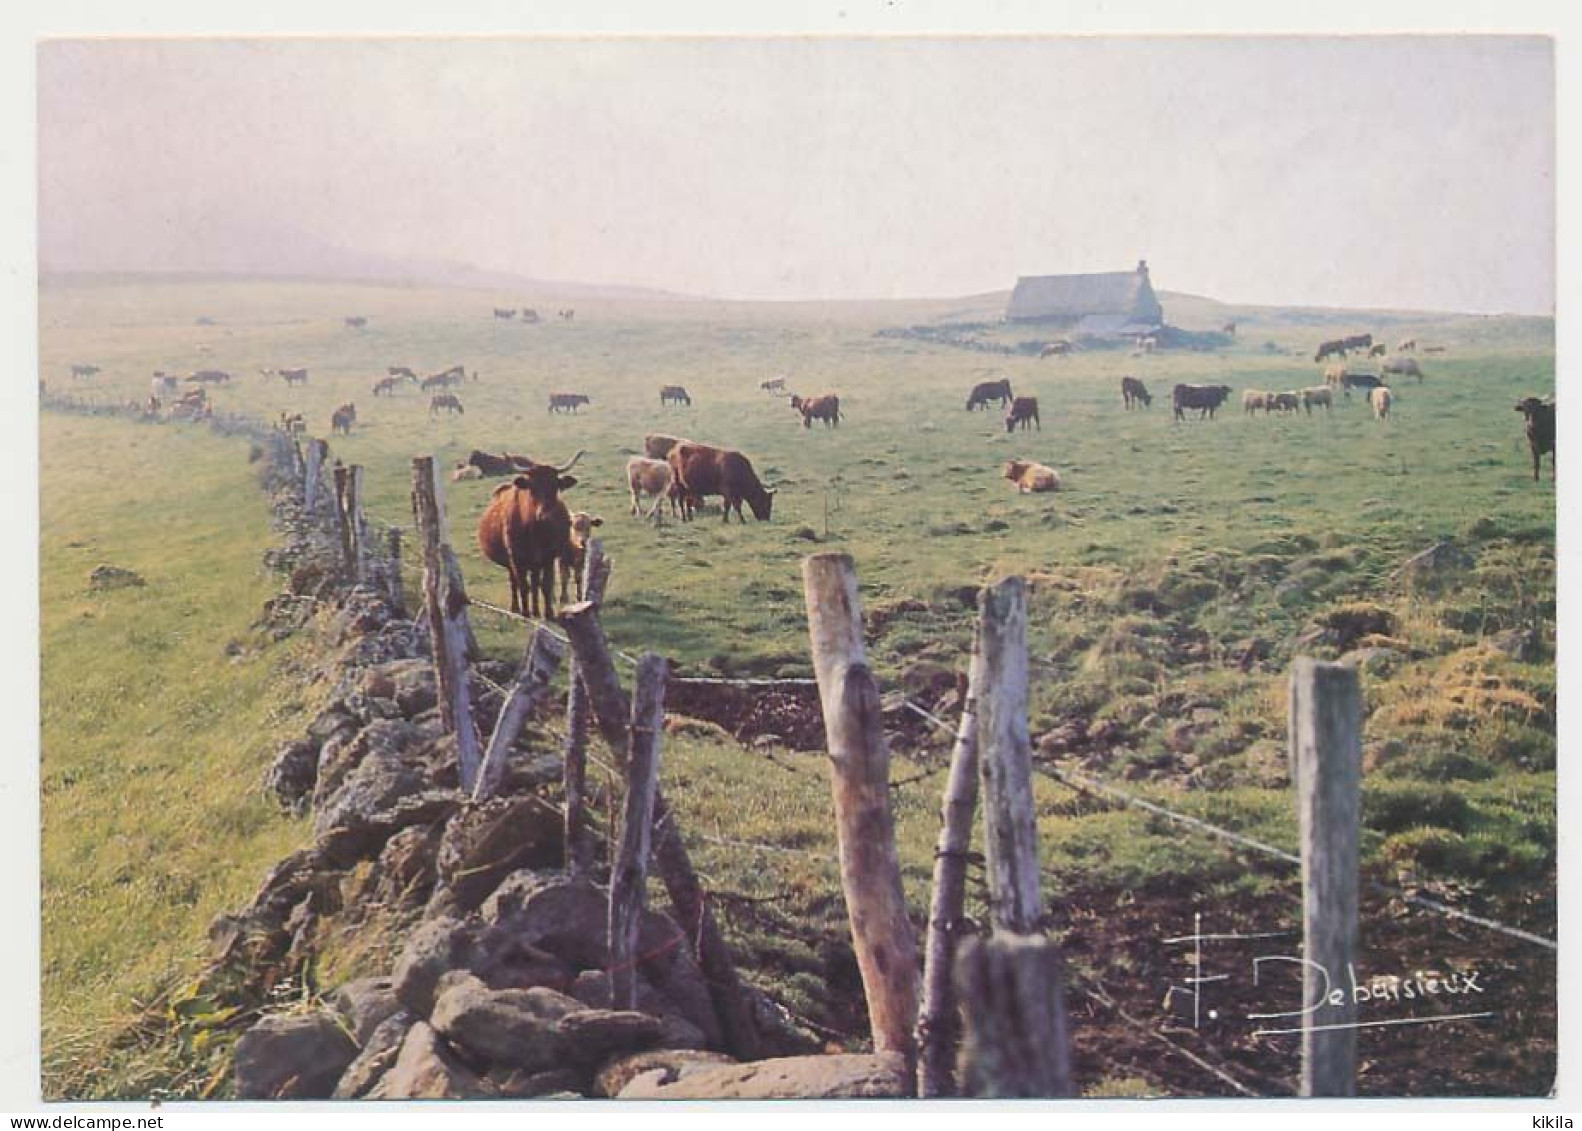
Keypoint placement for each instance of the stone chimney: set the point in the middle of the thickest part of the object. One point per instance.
(1142, 267)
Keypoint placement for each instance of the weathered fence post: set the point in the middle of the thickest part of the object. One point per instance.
(531, 684)
(312, 471)
(629, 870)
(1016, 1044)
(579, 842)
(1011, 986)
(1005, 759)
(609, 710)
(445, 598)
(357, 521)
(343, 520)
(393, 581)
(1325, 727)
(938, 1021)
(859, 760)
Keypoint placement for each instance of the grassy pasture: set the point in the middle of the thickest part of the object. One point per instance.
(1173, 574)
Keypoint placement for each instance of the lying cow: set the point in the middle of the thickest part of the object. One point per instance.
(1205, 398)
(497, 466)
(1023, 411)
(1540, 431)
(985, 391)
(1031, 477)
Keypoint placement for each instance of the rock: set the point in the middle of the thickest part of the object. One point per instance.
(412, 685)
(925, 678)
(1180, 737)
(295, 1056)
(365, 1003)
(1062, 739)
(671, 1063)
(1433, 563)
(1521, 644)
(440, 946)
(377, 784)
(516, 1028)
(1377, 661)
(426, 1069)
(595, 1035)
(846, 1076)
(329, 722)
(485, 843)
(592, 989)
(358, 833)
(379, 1052)
(1346, 624)
(294, 773)
(568, 918)
(106, 577)
(513, 1083)
(345, 750)
(402, 878)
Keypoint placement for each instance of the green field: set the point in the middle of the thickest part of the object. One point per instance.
(1174, 578)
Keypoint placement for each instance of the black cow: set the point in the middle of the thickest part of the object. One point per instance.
(566, 402)
(1540, 431)
(985, 391)
(1205, 398)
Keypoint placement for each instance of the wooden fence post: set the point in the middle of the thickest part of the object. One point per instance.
(393, 580)
(938, 1021)
(1005, 759)
(1017, 1044)
(530, 686)
(629, 870)
(609, 710)
(358, 522)
(579, 842)
(312, 471)
(859, 760)
(445, 597)
(343, 520)
(1325, 727)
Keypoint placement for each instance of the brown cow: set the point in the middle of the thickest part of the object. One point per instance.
(450, 402)
(343, 418)
(526, 529)
(1540, 431)
(701, 471)
(651, 477)
(1031, 477)
(825, 408)
(1023, 409)
(656, 445)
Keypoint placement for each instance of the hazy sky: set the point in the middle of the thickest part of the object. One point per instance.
(1402, 172)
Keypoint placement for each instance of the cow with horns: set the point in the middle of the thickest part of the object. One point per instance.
(526, 530)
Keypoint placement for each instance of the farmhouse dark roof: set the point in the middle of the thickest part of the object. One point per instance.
(1077, 296)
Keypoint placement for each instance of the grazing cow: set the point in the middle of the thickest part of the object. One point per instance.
(82, 372)
(1433, 349)
(985, 391)
(657, 445)
(1376, 350)
(651, 477)
(566, 402)
(497, 465)
(1134, 391)
(1318, 394)
(445, 378)
(1031, 477)
(1284, 402)
(1406, 345)
(1364, 381)
(209, 377)
(576, 560)
(289, 376)
(1228, 328)
(1023, 410)
(529, 314)
(773, 385)
(1358, 342)
(450, 402)
(1335, 347)
(526, 529)
(1405, 366)
(401, 371)
(1205, 398)
(1379, 399)
(356, 321)
(1252, 400)
(386, 386)
(504, 315)
(673, 394)
(1334, 375)
(343, 418)
(1061, 348)
(1540, 431)
(701, 471)
(825, 408)
(567, 315)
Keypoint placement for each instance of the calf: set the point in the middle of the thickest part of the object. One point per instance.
(652, 477)
(576, 560)
(1133, 390)
(342, 419)
(1031, 477)
(1540, 431)
(1023, 411)
(1380, 399)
